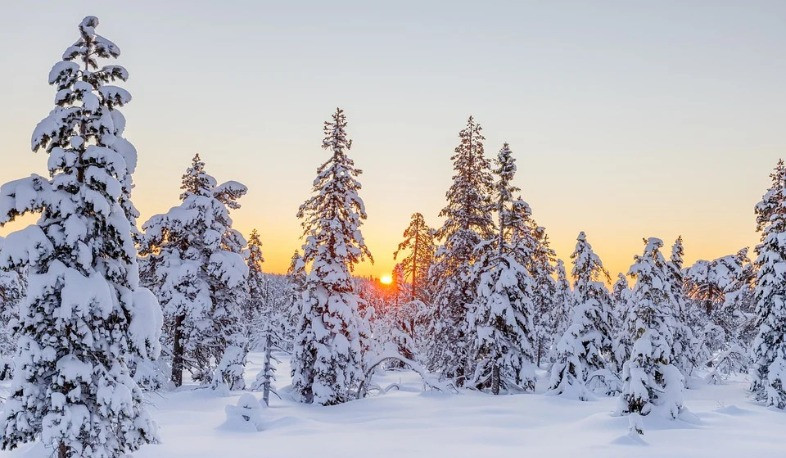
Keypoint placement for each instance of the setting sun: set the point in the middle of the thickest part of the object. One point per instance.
(386, 280)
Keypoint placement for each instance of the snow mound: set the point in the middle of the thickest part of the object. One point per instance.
(245, 416)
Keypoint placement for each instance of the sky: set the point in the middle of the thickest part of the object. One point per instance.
(628, 119)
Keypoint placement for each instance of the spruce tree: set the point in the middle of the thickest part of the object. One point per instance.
(13, 285)
(501, 317)
(621, 295)
(563, 303)
(584, 352)
(650, 379)
(419, 242)
(547, 297)
(468, 221)
(84, 318)
(196, 268)
(257, 295)
(328, 359)
(768, 371)
(687, 347)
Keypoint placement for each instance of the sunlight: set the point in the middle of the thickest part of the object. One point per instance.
(386, 280)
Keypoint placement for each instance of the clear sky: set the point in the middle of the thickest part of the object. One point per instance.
(628, 118)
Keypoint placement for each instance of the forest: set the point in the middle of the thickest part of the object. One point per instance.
(109, 321)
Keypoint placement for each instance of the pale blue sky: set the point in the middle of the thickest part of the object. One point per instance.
(628, 118)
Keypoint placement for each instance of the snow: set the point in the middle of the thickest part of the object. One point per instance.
(410, 422)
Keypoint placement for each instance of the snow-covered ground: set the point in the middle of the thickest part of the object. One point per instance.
(410, 422)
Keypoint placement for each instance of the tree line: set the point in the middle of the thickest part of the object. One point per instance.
(97, 311)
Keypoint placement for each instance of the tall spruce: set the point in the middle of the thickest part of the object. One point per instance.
(585, 360)
(501, 318)
(768, 371)
(468, 221)
(84, 318)
(548, 297)
(419, 243)
(196, 268)
(621, 295)
(687, 347)
(651, 382)
(328, 359)
(563, 303)
(256, 300)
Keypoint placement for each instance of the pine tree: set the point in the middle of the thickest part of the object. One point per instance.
(501, 317)
(621, 295)
(468, 221)
(13, 286)
(768, 371)
(399, 284)
(296, 282)
(584, 352)
(84, 317)
(419, 241)
(650, 380)
(687, 347)
(255, 303)
(546, 295)
(197, 270)
(328, 360)
(563, 303)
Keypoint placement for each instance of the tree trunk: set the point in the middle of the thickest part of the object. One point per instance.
(540, 346)
(415, 265)
(177, 352)
(62, 450)
(266, 384)
(495, 379)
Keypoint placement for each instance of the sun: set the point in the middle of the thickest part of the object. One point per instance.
(386, 280)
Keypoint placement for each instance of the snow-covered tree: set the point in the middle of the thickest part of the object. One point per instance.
(195, 263)
(468, 221)
(13, 285)
(419, 243)
(768, 371)
(546, 295)
(399, 284)
(650, 381)
(563, 303)
(84, 317)
(328, 359)
(719, 310)
(501, 317)
(621, 295)
(256, 283)
(584, 352)
(687, 346)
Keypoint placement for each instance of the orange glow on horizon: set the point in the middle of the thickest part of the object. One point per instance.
(386, 280)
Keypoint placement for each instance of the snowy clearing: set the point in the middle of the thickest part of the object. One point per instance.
(410, 422)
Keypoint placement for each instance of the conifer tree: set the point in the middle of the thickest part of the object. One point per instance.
(687, 349)
(399, 284)
(468, 221)
(84, 318)
(541, 267)
(328, 359)
(768, 371)
(195, 263)
(419, 241)
(621, 295)
(563, 303)
(296, 281)
(584, 352)
(256, 284)
(501, 317)
(13, 285)
(650, 380)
